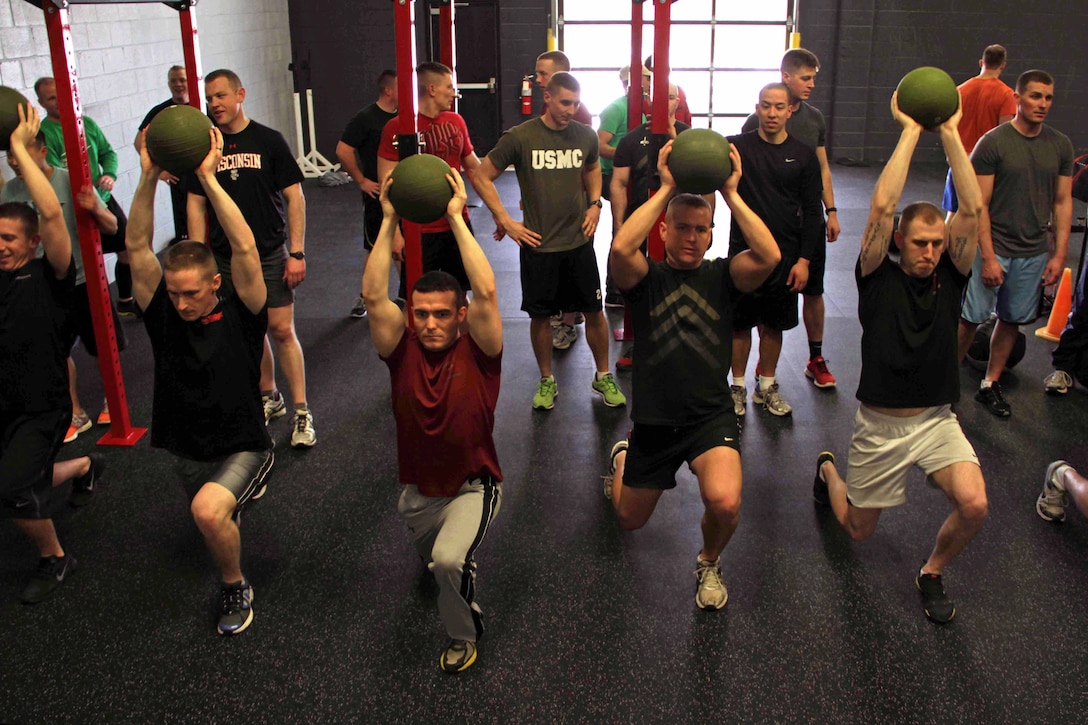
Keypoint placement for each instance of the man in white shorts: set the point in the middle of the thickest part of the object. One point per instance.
(909, 312)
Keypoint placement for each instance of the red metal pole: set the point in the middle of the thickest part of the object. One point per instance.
(634, 90)
(407, 136)
(59, 31)
(191, 50)
(659, 124)
(447, 40)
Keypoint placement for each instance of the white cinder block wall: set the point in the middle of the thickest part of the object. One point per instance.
(123, 52)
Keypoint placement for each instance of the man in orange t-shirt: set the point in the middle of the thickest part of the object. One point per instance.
(987, 103)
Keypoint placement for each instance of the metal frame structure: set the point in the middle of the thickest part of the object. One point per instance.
(62, 54)
(408, 139)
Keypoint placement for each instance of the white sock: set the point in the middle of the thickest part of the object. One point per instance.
(739, 382)
(985, 384)
(765, 382)
(600, 375)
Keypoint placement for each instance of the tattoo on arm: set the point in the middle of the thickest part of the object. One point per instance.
(871, 237)
(958, 245)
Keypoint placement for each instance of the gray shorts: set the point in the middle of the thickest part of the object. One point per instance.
(243, 474)
(884, 447)
(279, 294)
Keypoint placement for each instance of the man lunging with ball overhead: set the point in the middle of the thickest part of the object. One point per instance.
(207, 409)
(909, 309)
(445, 386)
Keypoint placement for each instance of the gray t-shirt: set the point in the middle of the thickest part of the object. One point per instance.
(549, 166)
(807, 125)
(15, 190)
(1025, 171)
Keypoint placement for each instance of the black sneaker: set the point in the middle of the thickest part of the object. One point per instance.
(994, 400)
(819, 485)
(51, 573)
(84, 486)
(458, 656)
(939, 608)
(235, 607)
(128, 308)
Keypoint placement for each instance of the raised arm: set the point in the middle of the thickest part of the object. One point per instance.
(146, 270)
(963, 228)
(484, 322)
(51, 227)
(889, 187)
(196, 214)
(386, 319)
(752, 267)
(245, 261)
(629, 265)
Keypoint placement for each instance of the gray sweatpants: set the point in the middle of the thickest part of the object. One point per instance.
(447, 532)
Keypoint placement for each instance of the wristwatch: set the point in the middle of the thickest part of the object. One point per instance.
(297, 255)
(597, 203)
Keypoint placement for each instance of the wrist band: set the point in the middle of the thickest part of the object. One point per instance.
(830, 209)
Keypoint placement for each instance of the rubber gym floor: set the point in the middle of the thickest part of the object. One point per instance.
(586, 624)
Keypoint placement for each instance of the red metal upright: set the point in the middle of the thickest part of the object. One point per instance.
(191, 50)
(408, 141)
(59, 31)
(659, 123)
(447, 42)
(634, 90)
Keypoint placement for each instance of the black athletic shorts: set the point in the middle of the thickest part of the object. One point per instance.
(817, 265)
(372, 220)
(440, 252)
(29, 443)
(279, 294)
(114, 243)
(773, 306)
(83, 325)
(560, 281)
(656, 451)
(243, 474)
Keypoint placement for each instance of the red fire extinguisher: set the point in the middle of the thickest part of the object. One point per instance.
(527, 96)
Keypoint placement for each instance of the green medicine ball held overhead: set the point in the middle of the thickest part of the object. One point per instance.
(928, 95)
(420, 192)
(700, 161)
(178, 139)
(9, 114)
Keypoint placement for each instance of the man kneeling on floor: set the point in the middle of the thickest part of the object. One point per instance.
(682, 311)
(909, 311)
(207, 408)
(445, 386)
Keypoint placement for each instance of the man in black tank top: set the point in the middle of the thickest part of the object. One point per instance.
(909, 312)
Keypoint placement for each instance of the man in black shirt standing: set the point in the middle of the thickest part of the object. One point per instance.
(782, 185)
(909, 312)
(207, 408)
(179, 96)
(358, 154)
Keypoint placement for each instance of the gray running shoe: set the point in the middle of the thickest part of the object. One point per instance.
(1058, 383)
(359, 310)
(274, 406)
(740, 399)
(1051, 503)
(771, 400)
(563, 336)
(303, 436)
(711, 593)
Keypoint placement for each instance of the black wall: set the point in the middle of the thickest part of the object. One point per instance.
(866, 46)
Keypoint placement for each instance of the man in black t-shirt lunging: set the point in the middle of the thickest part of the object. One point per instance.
(261, 176)
(909, 312)
(207, 408)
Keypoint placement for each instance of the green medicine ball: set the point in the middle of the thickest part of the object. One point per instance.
(9, 114)
(420, 192)
(700, 161)
(178, 139)
(928, 95)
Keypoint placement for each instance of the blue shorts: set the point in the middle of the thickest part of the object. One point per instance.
(950, 202)
(1016, 300)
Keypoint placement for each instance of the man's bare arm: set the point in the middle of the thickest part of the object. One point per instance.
(963, 228)
(386, 319)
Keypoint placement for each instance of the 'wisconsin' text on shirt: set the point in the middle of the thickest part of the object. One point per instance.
(239, 161)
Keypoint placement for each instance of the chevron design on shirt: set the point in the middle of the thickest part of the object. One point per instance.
(684, 317)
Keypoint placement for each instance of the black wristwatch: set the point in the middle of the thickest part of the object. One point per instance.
(597, 203)
(297, 255)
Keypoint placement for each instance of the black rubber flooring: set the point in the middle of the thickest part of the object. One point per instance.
(586, 624)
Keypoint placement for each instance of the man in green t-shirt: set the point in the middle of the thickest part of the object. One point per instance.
(559, 174)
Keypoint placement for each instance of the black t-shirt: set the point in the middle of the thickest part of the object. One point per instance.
(35, 337)
(257, 166)
(909, 356)
(782, 185)
(633, 151)
(155, 112)
(207, 402)
(683, 322)
(364, 134)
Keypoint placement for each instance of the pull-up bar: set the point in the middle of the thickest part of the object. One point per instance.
(62, 53)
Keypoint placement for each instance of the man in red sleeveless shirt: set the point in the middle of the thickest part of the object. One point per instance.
(445, 386)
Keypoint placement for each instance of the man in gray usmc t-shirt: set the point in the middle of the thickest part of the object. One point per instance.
(559, 173)
(1025, 171)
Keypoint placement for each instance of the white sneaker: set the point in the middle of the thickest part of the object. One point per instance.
(1051, 503)
(711, 593)
(1058, 383)
(563, 336)
(740, 399)
(303, 436)
(771, 400)
(274, 406)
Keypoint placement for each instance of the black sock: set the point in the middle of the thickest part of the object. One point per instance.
(123, 273)
(815, 349)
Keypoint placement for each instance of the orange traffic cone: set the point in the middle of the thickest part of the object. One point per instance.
(1059, 313)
